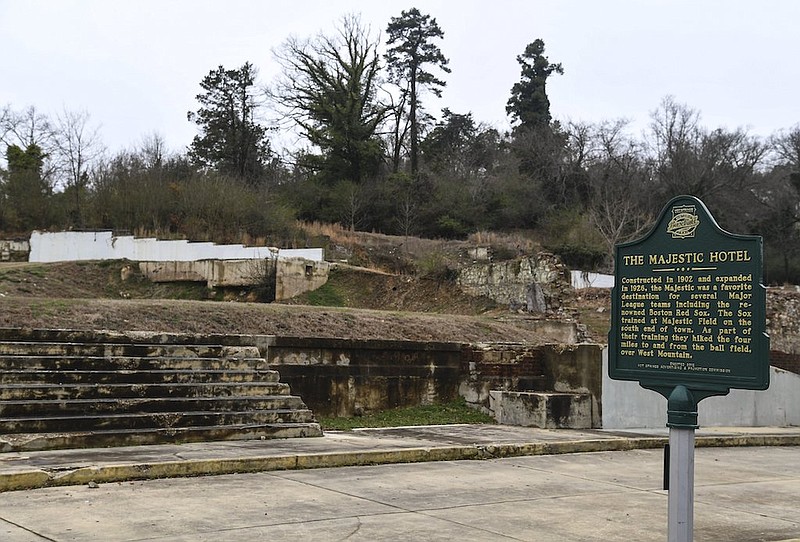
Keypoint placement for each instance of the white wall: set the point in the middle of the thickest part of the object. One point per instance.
(583, 279)
(103, 245)
(628, 405)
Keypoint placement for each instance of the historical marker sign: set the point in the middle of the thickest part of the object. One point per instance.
(689, 306)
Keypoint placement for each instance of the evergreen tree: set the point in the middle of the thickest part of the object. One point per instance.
(529, 106)
(231, 141)
(411, 52)
(25, 192)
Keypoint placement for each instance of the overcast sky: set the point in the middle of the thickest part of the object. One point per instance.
(136, 65)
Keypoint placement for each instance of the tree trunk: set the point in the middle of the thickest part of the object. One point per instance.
(414, 128)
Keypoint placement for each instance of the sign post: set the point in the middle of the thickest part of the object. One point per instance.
(688, 320)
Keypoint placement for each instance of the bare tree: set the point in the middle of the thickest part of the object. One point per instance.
(5, 121)
(26, 127)
(407, 214)
(787, 146)
(78, 146)
(398, 124)
(30, 127)
(617, 177)
(688, 159)
(153, 150)
(351, 196)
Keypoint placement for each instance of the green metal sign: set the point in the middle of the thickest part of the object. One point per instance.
(689, 307)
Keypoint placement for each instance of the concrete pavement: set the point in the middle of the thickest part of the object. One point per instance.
(29, 470)
(741, 494)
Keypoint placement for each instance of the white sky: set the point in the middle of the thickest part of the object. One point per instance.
(136, 65)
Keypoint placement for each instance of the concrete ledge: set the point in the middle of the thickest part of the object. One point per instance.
(21, 478)
(542, 409)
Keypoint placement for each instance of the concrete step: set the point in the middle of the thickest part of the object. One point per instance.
(50, 407)
(152, 420)
(23, 442)
(128, 376)
(127, 337)
(133, 363)
(27, 348)
(63, 392)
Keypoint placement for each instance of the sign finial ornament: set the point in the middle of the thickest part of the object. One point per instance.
(684, 221)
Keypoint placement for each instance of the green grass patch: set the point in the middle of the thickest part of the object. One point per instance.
(50, 307)
(445, 413)
(36, 271)
(13, 275)
(326, 296)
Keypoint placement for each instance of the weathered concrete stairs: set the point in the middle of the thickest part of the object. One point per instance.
(66, 389)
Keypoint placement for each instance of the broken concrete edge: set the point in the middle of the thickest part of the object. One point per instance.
(44, 478)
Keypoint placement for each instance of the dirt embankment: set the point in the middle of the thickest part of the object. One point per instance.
(92, 295)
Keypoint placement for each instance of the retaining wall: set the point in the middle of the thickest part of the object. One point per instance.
(345, 377)
(628, 405)
(337, 377)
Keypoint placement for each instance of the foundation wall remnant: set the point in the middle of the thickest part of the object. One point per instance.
(534, 284)
(542, 409)
(549, 386)
(292, 276)
(338, 377)
(14, 250)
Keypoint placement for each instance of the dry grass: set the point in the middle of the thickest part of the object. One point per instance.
(520, 241)
(258, 318)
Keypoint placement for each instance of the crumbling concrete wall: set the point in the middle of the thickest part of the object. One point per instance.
(14, 250)
(177, 271)
(576, 368)
(290, 277)
(338, 377)
(296, 275)
(344, 377)
(494, 368)
(535, 284)
(551, 410)
(213, 272)
(783, 319)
